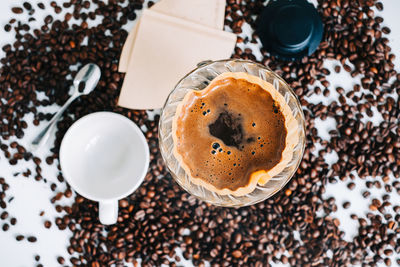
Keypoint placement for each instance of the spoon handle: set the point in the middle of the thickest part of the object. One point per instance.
(44, 134)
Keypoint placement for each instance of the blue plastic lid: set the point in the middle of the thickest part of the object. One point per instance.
(290, 29)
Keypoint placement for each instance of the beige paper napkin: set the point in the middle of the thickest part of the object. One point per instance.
(166, 48)
(205, 12)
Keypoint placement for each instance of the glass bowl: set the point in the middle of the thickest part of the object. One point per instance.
(198, 79)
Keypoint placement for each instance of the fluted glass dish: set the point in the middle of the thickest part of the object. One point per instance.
(198, 79)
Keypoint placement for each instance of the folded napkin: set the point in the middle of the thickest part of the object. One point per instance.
(165, 49)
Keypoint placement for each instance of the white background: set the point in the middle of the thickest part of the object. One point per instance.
(31, 197)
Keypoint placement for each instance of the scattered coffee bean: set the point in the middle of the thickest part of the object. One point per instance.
(7, 27)
(17, 10)
(27, 6)
(351, 186)
(4, 215)
(60, 260)
(5, 227)
(47, 224)
(32, 239)
(237, 254)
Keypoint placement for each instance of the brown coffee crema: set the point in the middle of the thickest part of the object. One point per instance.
(236, 133)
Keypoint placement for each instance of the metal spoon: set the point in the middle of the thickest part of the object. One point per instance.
(90, 76)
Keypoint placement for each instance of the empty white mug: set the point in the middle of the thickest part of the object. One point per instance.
(104, 156)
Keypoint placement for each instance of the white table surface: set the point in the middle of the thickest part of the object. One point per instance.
(31, 197)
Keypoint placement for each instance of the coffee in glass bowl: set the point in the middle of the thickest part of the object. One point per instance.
(232, 133)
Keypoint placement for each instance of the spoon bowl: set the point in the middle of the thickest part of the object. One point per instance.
(90, 76)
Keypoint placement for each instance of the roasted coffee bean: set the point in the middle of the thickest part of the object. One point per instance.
(237, 254)
(4, 215)
(32, 239)
(68, 193)
(27, 6)
(47, 224)
(7, 27)
(60, 260)
(5, 227)
(386, 30)
(48, 19)
(351, 186)
(17, 10)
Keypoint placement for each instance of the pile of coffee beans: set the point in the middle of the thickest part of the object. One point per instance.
(160, 217)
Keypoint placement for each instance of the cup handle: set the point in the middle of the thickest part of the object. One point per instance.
(108, 212)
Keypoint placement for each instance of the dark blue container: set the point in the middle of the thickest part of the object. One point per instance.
(290, 29)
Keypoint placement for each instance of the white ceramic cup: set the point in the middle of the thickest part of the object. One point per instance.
(104, 156)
